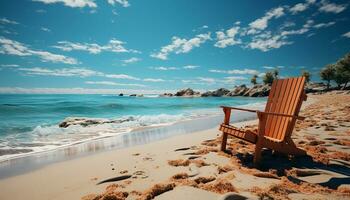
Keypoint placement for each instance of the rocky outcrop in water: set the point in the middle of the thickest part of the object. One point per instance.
(258, 90)
(217, 93)
(83, 121)
(187, 93)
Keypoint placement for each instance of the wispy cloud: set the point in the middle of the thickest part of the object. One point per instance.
(12, 47)
(190, 67)
(331, 7)
(131, 60)
(324, 25)
(65, 72)
(113, 45)
(235, 71)
(347, 34)
(300, 7)
(7, 21)
(78, 90)
(71, 3)
(45, 29)
(121, 76)
(179, 45)
(124, 3)
(111, 83)
(9, 65)
(262, 23)
(153, 80)
(164, 68)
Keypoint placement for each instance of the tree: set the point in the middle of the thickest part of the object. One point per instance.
(307, 75)
(268, 78)
(328, 73)
(342, 71)
(253, 80)
(275, 73)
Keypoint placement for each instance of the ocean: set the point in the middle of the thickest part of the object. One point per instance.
(29, 122)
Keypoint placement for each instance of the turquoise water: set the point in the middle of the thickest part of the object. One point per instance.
(30, 122)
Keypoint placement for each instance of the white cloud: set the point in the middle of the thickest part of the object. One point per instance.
(65, 72)
(233, 79)
(235, 71)
(113, 83)
(45, 29)
(124, 3)
(228, 38)
(78, 90)
(7, 21)
(72, 3)
(332, 7)
(298, 8)
(113, 45)
(190, 67)
(9, 65)
(179, 46)
(324, 25)
(277, 67)
(207, 80)
(12, 47)
(121, 76)
(266, 44)
(153, 80)
(347, 34)
(131, 60)
(262, 23)
(164, 68)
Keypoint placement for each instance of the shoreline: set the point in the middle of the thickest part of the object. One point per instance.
(122, 140)
(208, 113)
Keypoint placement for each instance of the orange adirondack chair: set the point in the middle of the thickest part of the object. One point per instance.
(276, 123)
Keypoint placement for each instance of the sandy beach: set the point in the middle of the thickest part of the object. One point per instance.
(191, 167)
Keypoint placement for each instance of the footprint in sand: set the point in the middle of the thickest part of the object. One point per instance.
(117, 178)
(183, 149)
(194, 170)
(140, 174)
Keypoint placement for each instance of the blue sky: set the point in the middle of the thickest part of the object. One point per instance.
(153, 46)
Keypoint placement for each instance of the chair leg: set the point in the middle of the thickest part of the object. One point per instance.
(223, 141)
(257, 154)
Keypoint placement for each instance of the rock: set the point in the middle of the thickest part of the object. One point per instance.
(82, 121)
(132, 95)
(166, 95)
(140, 95)
(258, 91)
(217, 93)
(207, 94)
(316, 87)
(187, 92)
(121, 94)
(238, 91)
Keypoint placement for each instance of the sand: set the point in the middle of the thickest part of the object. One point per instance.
(191, 167)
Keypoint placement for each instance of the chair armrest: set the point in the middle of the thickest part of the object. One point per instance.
(242, 109)
(282, 115)
(264, 113)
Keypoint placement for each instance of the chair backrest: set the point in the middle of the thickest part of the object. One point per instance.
(286, 97)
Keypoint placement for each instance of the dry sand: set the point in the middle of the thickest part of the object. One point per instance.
(191, 167)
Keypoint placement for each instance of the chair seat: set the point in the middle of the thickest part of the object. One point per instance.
(247, 135)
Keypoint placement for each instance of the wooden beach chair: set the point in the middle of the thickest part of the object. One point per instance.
(276, 123)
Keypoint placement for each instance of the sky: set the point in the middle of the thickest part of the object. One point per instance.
(156, 46)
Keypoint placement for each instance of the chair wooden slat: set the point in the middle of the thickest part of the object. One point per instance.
(276, 125)
(284, 109)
